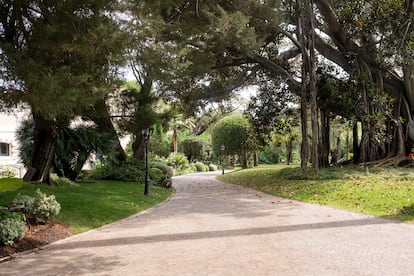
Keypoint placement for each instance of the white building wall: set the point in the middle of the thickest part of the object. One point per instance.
(9, 124)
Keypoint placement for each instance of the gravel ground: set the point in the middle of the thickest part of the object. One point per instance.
(212, 228)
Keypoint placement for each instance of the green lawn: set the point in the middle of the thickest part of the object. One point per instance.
(93, 204)
(382, 192)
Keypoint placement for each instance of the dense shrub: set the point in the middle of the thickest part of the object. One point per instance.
(267, 156)
(178, 160)
(26, 201)
(12, 227)
(44, 207)
(7, 171)
(167, 170)
(200, 167)
(62, 181)
(212, 167)
(124, 171)
(159, 145)
(156, 176)
(236, 135)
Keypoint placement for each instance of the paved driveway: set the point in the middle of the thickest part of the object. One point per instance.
(212, 228)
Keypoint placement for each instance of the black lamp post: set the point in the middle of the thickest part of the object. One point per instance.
(222, 157)
(146, 133)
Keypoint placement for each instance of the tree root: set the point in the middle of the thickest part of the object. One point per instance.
(393, 161)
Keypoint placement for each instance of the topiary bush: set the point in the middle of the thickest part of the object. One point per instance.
(195, 147)
(44, 207)
(212, 167)
(235, 133)
(12, 227)
(26, 201)
(167, 170)
(200, 167)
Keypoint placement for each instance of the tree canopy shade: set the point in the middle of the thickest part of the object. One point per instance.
(59, 58)
(235, 133)
(242, 41)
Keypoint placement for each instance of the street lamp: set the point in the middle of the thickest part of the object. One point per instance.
(146, 133)
(222, 158)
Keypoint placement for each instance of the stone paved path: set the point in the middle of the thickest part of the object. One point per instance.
(212, 228)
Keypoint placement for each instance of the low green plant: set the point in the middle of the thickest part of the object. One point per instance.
(124, 171)
(7, 171)
(44, 207)
(212, 167)
(178, 160)
(61, 181)
(12, 227)
(156, 176)
(26, 201)
(167, 170)
(200, 167)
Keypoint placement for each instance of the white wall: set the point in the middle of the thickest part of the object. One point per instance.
(9, 123)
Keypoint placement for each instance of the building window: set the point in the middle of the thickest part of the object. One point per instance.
(4, 149)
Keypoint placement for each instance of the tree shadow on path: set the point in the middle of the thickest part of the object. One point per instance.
(219, 233)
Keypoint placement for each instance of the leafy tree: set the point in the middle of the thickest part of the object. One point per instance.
(235, 133)
(59, 58)
(358, 36)
(267, 107)
(72, 148)
(137, 108)
(195, 148)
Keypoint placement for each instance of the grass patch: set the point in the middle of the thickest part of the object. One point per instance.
(382, 192)
(90, 205)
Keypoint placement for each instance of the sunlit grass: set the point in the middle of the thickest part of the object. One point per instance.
(94, 204)
(382, 192)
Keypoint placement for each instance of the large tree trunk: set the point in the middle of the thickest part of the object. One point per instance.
(310, 45)
(355, 143)
(138, 148)
(45, 136)
(244, 159)
(289, 150)
(386, 80)
(304, 151)
(325, 141)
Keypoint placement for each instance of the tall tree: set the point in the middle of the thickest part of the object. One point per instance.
(59, 58)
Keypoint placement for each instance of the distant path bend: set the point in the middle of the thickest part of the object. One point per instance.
(213, 228)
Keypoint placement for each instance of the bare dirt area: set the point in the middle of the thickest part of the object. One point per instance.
(37, 236)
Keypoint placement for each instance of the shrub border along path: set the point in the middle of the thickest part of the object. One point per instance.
(213, 228)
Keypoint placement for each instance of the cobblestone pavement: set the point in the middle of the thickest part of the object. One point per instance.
(212, 228)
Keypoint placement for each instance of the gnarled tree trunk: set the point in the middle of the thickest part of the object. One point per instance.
(45, 136)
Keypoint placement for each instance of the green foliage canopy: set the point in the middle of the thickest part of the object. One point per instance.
(195, 148)
(235, 133)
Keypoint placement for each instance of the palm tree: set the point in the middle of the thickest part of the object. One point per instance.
(179, 123)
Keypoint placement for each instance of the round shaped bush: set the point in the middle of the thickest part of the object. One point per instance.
(200, 167)
(156, 175)
(212, 167)
(12, 227)
(26, 201)
(44, 207)
(167, 170)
